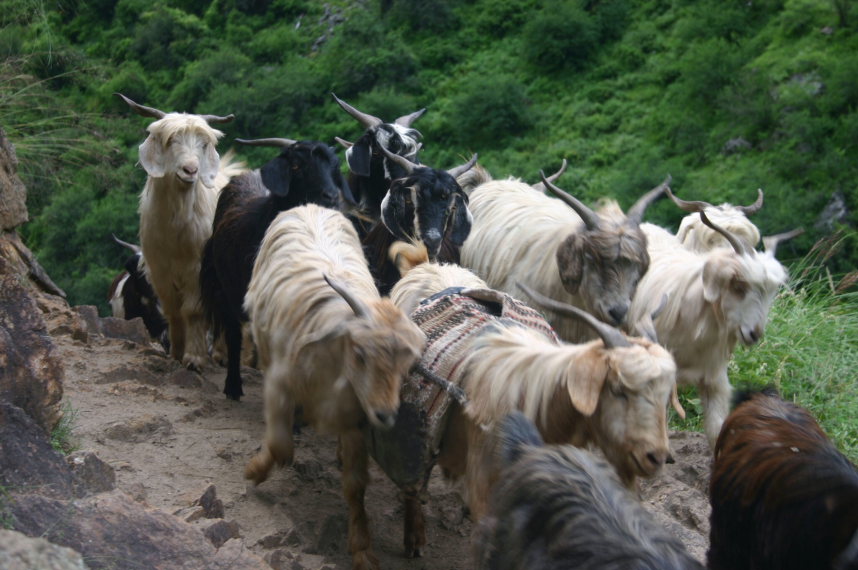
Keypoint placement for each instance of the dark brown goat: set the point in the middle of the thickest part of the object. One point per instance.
(304, 172)
(782, 495)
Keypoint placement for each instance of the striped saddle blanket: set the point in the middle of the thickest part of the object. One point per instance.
(451, 320)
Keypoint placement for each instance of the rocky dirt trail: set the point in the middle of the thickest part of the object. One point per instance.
(177, 444)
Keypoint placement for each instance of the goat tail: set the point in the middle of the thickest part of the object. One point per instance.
(211, 294)
(406, 256)
(516, 433)
(230, 166)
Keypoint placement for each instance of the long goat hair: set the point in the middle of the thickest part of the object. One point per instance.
(559, 507)
(782, 495)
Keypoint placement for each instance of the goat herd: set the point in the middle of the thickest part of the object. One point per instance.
(393, 308)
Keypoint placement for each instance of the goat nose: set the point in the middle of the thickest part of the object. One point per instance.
(387, 419)
(190, 170)
(657, 458)
(618, 313)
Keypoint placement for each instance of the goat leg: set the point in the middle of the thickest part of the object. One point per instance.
(355, 476)
(415, 524)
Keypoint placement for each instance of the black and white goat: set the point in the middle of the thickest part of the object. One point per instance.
(304, 172)
(131, 295)
(425, 205)
(371, 172)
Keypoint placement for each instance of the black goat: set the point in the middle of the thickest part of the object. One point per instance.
(304, 172)
(131, 295)
(782, 495)
(558, 507)
(425, 206)
(370, 173)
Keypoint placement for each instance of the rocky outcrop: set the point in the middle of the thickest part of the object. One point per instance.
(21, 552)
(13, 195)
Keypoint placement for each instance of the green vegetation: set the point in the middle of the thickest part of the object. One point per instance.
(725, 96)
(62, 436)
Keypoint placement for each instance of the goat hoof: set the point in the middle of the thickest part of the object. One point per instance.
(413, 553)
(233, 394)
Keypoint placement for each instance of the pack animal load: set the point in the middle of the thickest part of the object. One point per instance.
(451, 320)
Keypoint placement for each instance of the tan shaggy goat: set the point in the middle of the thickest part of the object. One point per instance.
(589, 259)
(715, 300)
(177, 205)
(329, 344)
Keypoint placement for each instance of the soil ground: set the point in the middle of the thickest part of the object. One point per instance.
(170, 433)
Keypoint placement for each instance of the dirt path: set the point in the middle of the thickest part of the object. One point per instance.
(170, 434)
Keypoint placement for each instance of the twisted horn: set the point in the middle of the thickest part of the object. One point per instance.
(131, 246)
(736, 243)
(636, 212)
(364, 119)
(406, 120)
(400, 160)
(218, 118)
(611, 337)
(591, 220)
(688, 205)
(755, 207)
(276, 142)
(142, 110)
(770, 243)
(463, 168)
(358, 306)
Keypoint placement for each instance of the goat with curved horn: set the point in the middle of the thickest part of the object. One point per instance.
(142, 110)
(755, 207)
(365, 119)
(737, 244)
(636, 212)
(770, 243)
(358, 306)
(591, 220)
(131, 246)
(275, 142)
(463, 168)
(611, 337)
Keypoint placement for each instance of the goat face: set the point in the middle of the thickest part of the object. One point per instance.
(182, 146)
(397, 139)
(603, 266)
(428, 205)
(632, 408)
(741, 289)
(306, 172)
(379, 352)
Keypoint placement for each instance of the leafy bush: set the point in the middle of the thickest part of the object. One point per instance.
(489, 111)
(422, 15)
(561, 36)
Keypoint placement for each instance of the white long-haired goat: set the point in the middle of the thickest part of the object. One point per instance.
(177, 205)
(589, 259)
(697, 236)
(715, 300)
(328, 343)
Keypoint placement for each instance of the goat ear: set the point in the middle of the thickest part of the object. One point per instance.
(460, 225)
(584, 380)
(396, 215)
(570, 262)
(717, 273)
(209, 165)
(276, 176)
(358, 157)
(152, 157)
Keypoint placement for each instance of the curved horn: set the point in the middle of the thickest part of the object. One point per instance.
(344, 143)
(131, 246)
(400, 160)
(541, 187)
(364, 119)
(463, 168)
(611, 337)
(770, 243)
(282, 143)
(755, 207)
(688, 205)
(736, 243)
(142, 109)
(591, 220)
(636, 212)
(358, 306)
(218, 118)
(406, 120)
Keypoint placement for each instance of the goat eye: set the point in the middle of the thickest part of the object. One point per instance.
(618, 392)
(739, 287)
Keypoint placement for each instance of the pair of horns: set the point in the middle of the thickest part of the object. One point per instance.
(411, 166)
(591, 219)
(700, 205)
(368, 121)
(611, 337)
(154, 113)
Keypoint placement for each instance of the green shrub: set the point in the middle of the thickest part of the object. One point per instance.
(422, 15)
(561, 36)
(489, 111)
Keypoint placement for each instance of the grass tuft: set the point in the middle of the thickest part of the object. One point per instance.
(62, 436)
